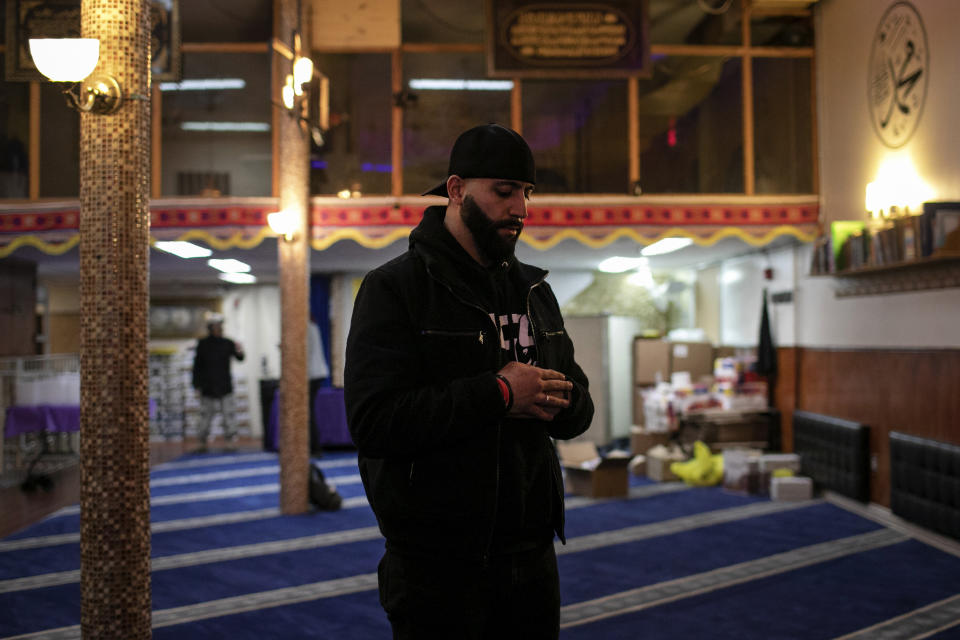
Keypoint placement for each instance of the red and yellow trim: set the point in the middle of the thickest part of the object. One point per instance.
(594, 221)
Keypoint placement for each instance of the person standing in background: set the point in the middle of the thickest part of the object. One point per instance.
(212, 380)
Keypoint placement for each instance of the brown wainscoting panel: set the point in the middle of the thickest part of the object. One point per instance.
(906, 390)
(785, 393)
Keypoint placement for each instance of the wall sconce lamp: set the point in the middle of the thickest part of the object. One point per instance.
(284, 224)
(301, 74)
(73, 60)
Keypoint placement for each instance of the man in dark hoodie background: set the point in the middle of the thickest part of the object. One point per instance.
(459, 375)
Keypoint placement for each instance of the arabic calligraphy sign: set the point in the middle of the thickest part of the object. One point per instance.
(567, 39)
(898, 74)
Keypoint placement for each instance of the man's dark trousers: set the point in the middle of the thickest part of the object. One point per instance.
(514, 596)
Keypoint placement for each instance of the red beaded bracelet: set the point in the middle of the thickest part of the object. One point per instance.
(506, 390)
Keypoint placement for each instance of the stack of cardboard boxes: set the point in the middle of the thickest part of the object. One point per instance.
(774, 474)
(657, 360)
(654, 361)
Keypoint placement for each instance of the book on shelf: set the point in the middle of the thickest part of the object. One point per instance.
(855, 244)
(840, 232)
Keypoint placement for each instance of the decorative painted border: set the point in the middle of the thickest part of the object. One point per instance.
(374, 223)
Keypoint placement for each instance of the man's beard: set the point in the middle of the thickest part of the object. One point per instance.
(486, 232)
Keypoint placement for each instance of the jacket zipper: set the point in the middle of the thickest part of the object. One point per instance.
(496, 486)
(555, 464)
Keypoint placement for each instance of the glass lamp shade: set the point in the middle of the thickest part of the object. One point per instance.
(287, 93)
(302, 73)
(283, 223)
(65, 59)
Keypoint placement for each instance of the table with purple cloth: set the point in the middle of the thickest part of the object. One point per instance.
(330, 419)
(52, 418)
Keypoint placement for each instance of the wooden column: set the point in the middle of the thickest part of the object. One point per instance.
(294, 257)
(114, 252)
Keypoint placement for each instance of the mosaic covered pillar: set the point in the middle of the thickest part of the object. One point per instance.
(114, 266)
(294, 257)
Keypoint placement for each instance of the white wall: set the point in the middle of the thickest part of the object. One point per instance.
(850, 156)
(741, 283)
(252, 317)
(567, 284)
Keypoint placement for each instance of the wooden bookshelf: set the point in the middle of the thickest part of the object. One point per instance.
(939, 271)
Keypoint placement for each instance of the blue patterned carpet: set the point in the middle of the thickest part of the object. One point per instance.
(669, 562)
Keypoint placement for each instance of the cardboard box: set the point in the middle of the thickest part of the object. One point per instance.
(642, 440)
(693, 357)
(589, 474)
(791, 488)
(770, 462)
(653, 358)
(659, 459)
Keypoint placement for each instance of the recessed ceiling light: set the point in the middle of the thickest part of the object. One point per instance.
(239, 278)
(229, 265)
(204, 84)
(226, 126)
(666, 245)
(454, 84)
(619, 264)
(182, 249)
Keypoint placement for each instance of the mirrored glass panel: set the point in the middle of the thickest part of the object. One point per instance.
(577, 131)
(694, 22)
(226, 20)
(442, 99)
(783, 115)
(691, 132)
(14, 141)
(59, 144)
(781, 31)
(356, 153)
(442, 21)
(216, 127)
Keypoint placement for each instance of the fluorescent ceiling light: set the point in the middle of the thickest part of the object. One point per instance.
(204, 84)
(239, 278)
(229, 265)
(619, 264)
(183, 249)
(451, 84)
(665, 246)
(225, 126)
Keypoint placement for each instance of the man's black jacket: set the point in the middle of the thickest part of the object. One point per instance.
(211, 366)
(424, 406)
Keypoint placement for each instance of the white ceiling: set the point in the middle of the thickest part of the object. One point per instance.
(172, 275)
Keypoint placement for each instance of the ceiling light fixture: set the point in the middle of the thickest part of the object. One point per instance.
(453, 84)
(619, 264)
(183, 249)
(238, 278)
(204, 84)
(666, 245)
(248, 127)
(228, 265)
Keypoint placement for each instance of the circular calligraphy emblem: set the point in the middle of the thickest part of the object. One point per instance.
(897, 76)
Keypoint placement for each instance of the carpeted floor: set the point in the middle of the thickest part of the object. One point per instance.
(669, 562)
